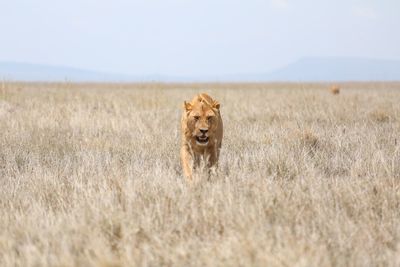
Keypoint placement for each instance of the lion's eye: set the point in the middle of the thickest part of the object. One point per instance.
(196, 118)
(209, 118)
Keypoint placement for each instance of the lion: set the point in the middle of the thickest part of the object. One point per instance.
(201, 130)
(335, 89)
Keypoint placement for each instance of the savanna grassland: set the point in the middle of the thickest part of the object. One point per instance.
(90, 176)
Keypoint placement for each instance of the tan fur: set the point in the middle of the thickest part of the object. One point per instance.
(201, 113)
(335, 89)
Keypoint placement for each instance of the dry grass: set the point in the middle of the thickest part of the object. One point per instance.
(90, 176)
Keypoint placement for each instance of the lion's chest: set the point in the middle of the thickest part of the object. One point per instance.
(201, 150)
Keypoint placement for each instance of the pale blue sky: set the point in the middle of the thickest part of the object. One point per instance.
(203, 37)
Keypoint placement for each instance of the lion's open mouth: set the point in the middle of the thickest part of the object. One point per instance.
(202, 140)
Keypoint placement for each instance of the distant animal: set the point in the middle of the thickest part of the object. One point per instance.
(335, 89)
(201, 133)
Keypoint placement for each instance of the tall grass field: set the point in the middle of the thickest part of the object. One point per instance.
(90, 176)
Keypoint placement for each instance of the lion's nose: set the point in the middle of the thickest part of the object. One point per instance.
(203, 131)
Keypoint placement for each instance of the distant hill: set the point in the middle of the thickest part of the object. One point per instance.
(36, 72)
(337, 69)
(307, 69)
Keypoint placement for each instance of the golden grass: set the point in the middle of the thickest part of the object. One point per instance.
(90, 176)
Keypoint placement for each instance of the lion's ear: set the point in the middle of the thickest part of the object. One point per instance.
(187, 106)
(216, 104)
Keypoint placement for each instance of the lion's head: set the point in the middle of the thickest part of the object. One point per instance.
(203, 117)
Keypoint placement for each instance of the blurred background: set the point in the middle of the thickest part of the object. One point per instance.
(177, 40)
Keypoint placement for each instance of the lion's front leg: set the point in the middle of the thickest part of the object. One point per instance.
(187, 162)
(213, 160)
